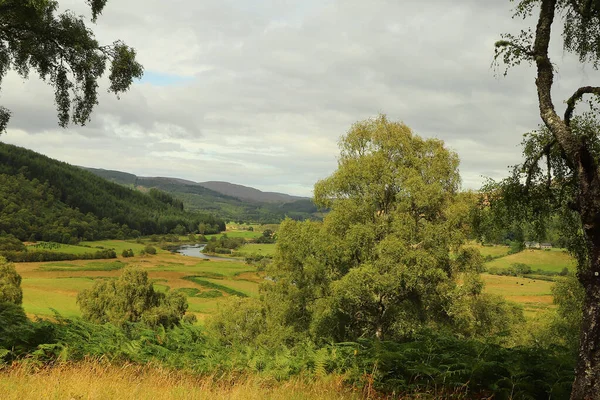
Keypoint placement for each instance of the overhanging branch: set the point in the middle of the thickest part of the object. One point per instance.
(534, 161)
(572, 102)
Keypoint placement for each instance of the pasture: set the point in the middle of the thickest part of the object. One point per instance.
(546, 260)
(533, 294)
(52, 286)
(264, 249)
(49, 286)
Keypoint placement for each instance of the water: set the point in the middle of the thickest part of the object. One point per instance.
(196, 251)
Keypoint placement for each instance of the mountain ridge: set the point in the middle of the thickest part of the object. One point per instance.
(231, 201)
(239, 191)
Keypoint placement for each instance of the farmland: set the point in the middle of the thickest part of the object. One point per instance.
(54, 285)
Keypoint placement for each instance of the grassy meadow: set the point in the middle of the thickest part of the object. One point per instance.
(533, 293)
(97, 380)
(265, 249)
(50, 286)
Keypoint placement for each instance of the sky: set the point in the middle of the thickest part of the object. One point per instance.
(258, 92)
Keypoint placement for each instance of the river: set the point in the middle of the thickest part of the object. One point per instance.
(196, 251)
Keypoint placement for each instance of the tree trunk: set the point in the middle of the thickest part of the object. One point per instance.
(587, 373)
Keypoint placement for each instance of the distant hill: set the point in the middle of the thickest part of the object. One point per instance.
(249, 193)
(46, 199)
(226, 200)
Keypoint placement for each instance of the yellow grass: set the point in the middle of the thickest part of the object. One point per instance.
(535, 295)
(96, 380)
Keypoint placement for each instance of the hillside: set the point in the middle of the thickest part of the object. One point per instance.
(249, 193)
(45, 199)
(227, 200)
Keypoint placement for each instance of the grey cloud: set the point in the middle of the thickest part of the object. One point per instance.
(275, 83)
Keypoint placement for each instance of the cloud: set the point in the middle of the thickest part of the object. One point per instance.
(258, 93)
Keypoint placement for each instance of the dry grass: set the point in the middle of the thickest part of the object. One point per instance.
(97, 380)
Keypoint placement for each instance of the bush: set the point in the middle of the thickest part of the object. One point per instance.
(150, 250)
(10, 283)
(131, 298)
(127, 253)
(521, 269)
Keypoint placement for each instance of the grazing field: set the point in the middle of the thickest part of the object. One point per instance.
(120, 245)
(96, 380)
(492, 251)
(535, 295)
(265, 249)
(54, 285)
(237, 234)
(89, 266)
(42, 295)
(547, 260)
(61, 248)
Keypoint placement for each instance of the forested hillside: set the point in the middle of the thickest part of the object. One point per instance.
(249, 205)
(45, 199)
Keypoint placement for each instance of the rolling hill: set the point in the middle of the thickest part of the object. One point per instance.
(226, 200)
(46, 199)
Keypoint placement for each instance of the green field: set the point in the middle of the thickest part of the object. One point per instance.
(551, 261)
(212, 267)
(41, 295)
(61, 248)
(265, 249)
(120, 245)
(236, 234)
(55, 285)
(492, 251)
(90, 266)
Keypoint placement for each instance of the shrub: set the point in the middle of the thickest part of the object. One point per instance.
(150, 250)
(131, 298)
(10, 283)
(127, 253)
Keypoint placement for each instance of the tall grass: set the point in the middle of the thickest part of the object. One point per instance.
(95, 379)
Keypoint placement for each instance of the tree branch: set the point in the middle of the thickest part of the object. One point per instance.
(576, 97)
(521, 49)
(534, 161)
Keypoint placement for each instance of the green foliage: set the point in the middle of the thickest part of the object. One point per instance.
(44, 255)
(224, 244)
(10, 283)
(94, 266)
(380, 264)
(11, 243)
(64, 53)
(206, 294)
(131, 298)
(73, 204)
(568, 295)
(430, 365)
(203, 282)
(128, 253)
(150, 250)
(238, 321)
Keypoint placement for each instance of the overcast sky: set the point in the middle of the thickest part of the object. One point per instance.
(258, 92)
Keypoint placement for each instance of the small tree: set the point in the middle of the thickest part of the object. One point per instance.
(10, 283)
(131, 298)
(150, 250)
